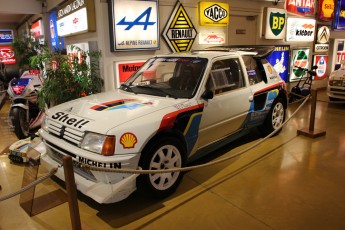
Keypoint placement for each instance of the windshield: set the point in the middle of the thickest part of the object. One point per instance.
(167, 77)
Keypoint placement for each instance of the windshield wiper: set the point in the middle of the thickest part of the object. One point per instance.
(126, 87)
(157, 90)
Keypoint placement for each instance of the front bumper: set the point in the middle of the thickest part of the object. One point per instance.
(103, 187)
(336, 92)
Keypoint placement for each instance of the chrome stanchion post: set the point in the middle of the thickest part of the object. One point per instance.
(311, 132)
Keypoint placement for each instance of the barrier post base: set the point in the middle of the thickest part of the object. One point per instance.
(311, 133)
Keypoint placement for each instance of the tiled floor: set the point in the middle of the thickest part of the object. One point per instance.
(287, 182)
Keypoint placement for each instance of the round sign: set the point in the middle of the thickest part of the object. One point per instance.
(323, 35)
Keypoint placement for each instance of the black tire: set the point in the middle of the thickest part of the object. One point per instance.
(20, 123)
(275, 118)
(164, 153)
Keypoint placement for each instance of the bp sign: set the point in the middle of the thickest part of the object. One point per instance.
(274, 23)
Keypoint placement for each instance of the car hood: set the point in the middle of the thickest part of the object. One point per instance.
(103, 111)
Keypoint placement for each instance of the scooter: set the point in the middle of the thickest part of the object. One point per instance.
(25, 114)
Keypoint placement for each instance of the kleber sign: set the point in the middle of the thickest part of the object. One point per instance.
(179, 32)
(339, 18)
(274, 23)
(7, 55)
(125, 69)
(326, 10)
(211, 38)
(214, 14)
(6, 36)
(134, 25)
(300, 29)
(300, 7)
(75, 17)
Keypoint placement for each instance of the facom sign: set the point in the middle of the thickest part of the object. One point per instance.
(214, 14)
(300, 7)
(134, 25)
(274, 23)
(300, 29)
(179, 31)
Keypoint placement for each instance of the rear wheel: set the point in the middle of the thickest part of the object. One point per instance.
(20, 123)
(165, 153)
(275, 118)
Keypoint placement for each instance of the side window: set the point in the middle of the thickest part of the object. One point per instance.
(225, 75)
(254, 74)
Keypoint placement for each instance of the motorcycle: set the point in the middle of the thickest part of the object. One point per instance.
(25, 114)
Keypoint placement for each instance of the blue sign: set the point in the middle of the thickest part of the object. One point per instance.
(57, 43)
(339, 17)
(279, 59)
(6, 36)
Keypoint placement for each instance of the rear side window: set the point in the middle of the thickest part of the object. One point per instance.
(255, 75)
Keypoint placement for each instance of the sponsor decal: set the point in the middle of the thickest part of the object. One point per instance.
(213, 38)
(130, 104)
(179, 32)
(300, 29)
(7, 55)
(6, 36)
(274, 23)
(300, 58)
(86, 161)
(213, 14)
(300, 7)
(135, 25)
(279, 59)
(128, 140)
(322, 62)
(339, 17)
(69, 120)
(326, 10)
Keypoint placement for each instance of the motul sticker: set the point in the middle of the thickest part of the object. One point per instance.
(214, 14)
(179, 33)
(300, 7)
(213, 38)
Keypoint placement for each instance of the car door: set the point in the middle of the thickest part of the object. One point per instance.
(225, 113)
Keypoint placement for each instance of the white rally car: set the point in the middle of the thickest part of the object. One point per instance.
(174, 109)
(336, 84)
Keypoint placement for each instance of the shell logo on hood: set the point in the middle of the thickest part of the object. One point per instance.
(128, 140)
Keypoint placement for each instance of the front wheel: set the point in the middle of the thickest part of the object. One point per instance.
(20, 123)
(275, 118)
(165, 153)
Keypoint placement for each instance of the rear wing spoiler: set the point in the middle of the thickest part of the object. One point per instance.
(260, 50)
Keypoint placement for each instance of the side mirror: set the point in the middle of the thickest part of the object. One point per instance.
(207, 95)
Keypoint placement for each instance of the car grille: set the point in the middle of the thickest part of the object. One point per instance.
(70, 135)
(57, 153)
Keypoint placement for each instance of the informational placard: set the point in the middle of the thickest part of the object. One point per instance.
(300, 7)
(274, 23)
(7, 55)
(322, 39)
(57, 42)
(6, 36)
(179, 32)
(280, 59)
(37, 29)
(322, 62)
(326, 10)
(299, 58)
(125, 69)
(75, 17)
(214, 13)
(134, 25)
(212, 38)
(300, 29)
(339, 18)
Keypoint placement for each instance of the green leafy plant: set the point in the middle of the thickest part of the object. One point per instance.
(67, 77)
(24, 49)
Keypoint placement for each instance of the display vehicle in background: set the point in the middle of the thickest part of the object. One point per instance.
(173, 110)
(336, 84)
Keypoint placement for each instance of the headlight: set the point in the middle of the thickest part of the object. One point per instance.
(99, 143)
(338, 83)
(44, 124)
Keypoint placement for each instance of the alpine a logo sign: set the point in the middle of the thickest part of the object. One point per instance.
(213, 14)
(274, 23)
(300, 29)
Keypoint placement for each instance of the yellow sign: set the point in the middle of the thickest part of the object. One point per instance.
(214, 14)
